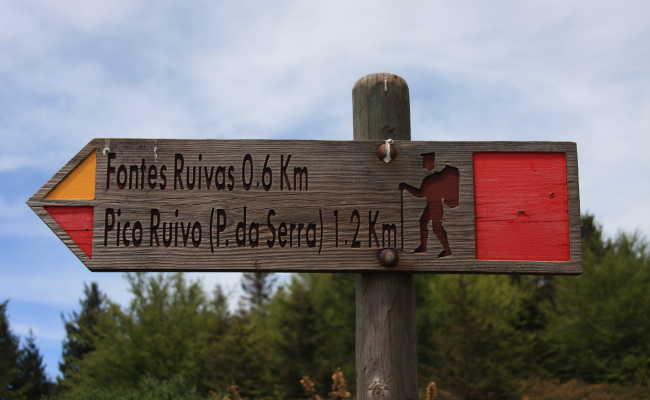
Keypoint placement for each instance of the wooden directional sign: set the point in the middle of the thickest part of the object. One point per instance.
(270, 205)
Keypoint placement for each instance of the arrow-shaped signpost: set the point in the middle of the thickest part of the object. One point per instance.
(380, 205)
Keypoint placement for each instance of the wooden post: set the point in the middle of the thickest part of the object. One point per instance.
(386, 361)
